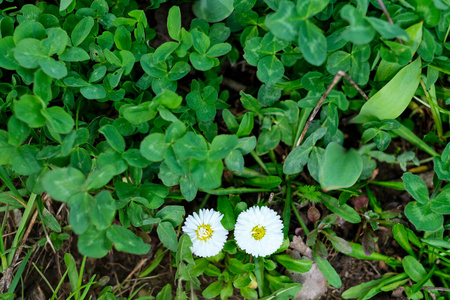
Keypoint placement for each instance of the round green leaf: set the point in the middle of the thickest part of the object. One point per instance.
(422, 217)
(340, 168)
(81, 205)
(28, 109)
(81, 30)
(270, 69)
(63, 183)
(53, 68)
(167, 235)
(154, 147)
(100, 177)
(207, 174)
(213, 10)
(125, 240)
(93, 243)
(24, 161)
(59, 119)
(103, 211)
(56, 42)
(113, 137)
(29, 52)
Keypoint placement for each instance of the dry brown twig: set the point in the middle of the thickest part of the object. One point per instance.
(336, 79)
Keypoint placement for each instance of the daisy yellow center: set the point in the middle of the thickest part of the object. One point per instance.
(204, 232)
(258, 232)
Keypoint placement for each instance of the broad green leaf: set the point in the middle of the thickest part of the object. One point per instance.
(93, 91)
(270, 69)
(201, 62)
(309, 8)
(298, 157)
(341, 168)
(42, 86)
(29, 52)
(63, 183)
(184, 252)
(207, 174)
(295, 265)
(401, 236)
(289, 291)
(188, 187)
(29, 29)
(222, 145)
(18, 131)
(125, 240)
(224, 206)
(200, 41)
(113, 137)
(139, 114)
(7, 59)
(340, 244)
(167, 235)
(422, 217)
(235, 161)
(81, 205)
(100, 177)
(191, 146)
(219, 50)
(213, 290)
(360, 31)
(74, 54)
(213, 10)
(24, 162)
(53, 68)
(81, 160)
(168, 99)
(174, 214)
(344, 211)
(338, 61)
(388, 30)
(154, 147)
(441, 204)
(327, 270)
(93, 243)
(413, 268)
(179, 70)
(122, 38)
(28, 109)
(56, 42)
(59, 119)
(135, 158)
(164, 51)
(401, 88)
(313, 43)
(65, 4)
(416, 187)
(82, 30)
(285, 22)
(174, 23)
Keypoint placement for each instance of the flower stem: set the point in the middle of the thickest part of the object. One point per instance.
(259, 272)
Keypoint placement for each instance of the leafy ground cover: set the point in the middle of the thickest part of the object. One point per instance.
(250, 149)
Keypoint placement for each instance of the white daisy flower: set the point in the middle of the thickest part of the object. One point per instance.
(258, 231)
(206, 232)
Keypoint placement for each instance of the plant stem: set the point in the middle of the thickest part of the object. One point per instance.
(299, 218)
(205, 199)
(260, 162)
(287, 209)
